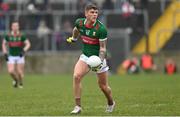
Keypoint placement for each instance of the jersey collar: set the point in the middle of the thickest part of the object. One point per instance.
(12, 33)
(89, 26)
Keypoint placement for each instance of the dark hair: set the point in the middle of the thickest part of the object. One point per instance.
(91, 6)
(14, 21)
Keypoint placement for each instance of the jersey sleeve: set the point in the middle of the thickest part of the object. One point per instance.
(23, 37)
(5, 37)
(77, 23)
(102, 34)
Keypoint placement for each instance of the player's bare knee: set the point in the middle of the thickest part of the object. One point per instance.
(77, 78)
(102, 87)
(21, 75)
(11, 71)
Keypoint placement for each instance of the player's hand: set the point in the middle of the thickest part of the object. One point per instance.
(71, 40)
(6, 57)
(95, 69)
(22, 53)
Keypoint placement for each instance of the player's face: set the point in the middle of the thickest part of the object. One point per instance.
(91, 15)
(15, 27)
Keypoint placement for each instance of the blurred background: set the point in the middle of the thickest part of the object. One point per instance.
(135, 28)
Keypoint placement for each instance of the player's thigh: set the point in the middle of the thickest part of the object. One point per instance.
(20, 68)
(102, 78)
(81, 68)
(11, 64)
(11, 67)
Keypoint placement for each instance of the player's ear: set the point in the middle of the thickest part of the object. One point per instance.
(86, 13)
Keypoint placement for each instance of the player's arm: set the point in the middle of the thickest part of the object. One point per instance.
(4, 49)
(75, 34)
(102, 43)
(102, 50)
(27, 45)
(102, 54)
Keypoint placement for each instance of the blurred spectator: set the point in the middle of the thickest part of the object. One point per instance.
(108, 5)
(31, 8)
(67, 28)
(43, 33)
(4, 7)
(37, 7)
(131, 65)
(43, 30)
(170, 66)
(61, 33)
(147, 63)
(57, 37)
(127, 9)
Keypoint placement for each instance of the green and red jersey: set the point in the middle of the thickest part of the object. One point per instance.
(15, 43)
(91, 35)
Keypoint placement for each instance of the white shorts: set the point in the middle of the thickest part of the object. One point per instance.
(104, 67)
(16, 60)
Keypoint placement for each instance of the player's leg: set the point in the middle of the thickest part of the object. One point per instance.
(103, 84)
(20, 70)
(105, 88)
(81, 68)
(11, 66)
(12, 72)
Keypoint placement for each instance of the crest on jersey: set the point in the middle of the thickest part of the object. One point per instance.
(87, 32)
(94, 33)
(81, 30)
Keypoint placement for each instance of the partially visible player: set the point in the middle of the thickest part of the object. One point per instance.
(94, 36)
(14, 46)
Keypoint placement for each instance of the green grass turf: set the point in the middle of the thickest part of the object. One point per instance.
(52, 95)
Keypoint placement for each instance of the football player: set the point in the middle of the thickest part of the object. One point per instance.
(94, 36)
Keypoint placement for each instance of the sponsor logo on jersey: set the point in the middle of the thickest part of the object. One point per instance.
(16, 44)
(87, 32)
(89, 40)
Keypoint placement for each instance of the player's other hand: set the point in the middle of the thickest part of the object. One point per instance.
(71, 40)
(22, 53)
(6, 57)
(95, 69)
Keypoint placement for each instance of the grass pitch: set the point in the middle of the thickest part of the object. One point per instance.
(52, 95)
